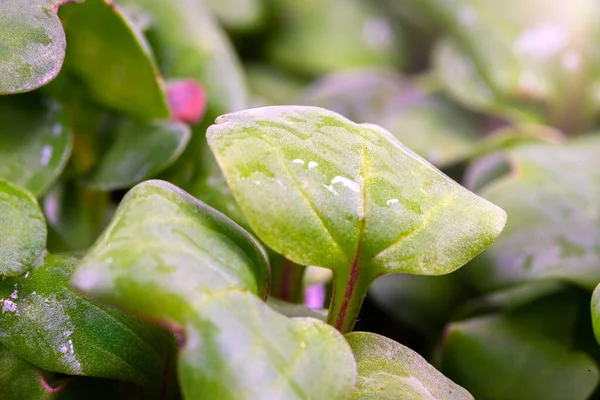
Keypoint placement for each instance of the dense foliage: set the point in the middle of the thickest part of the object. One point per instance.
(171, 229)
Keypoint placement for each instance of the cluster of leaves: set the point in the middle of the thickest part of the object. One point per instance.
(146, 253)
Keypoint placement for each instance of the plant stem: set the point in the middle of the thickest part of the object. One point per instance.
(286, 281)
(349, 291)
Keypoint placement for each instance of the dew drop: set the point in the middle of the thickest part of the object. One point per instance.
(46, 154)
(312, 165)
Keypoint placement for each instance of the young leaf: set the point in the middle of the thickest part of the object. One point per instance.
(520, 355)
(33, 44)
(171, 258)
(47, 323)
(110, 55)
(324, 191)
(22, 229)
(553, 195)
(140, 151)
(36, 138)
(389, 370)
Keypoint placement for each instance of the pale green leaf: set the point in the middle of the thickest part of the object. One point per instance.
(32, 48)
(324, 191)
(388, 370)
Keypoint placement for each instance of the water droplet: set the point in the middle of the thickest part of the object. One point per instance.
(349, 183)
(62, 348)
(26, 274)
(56, 129)
(331, 189)
(46, 154)
(298, 161)
(312, 165)
(392, 201)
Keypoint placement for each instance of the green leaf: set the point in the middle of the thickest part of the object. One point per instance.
(320, 37)
(20, 380)
(23, 233)
(523, 354)
(425, 303)
(36, 138)
(165, 235)
(111, 56)
(171, 258)
(324, 191)
(33, 44)
(47, 323)
(239, 348)
(535, 60)
(553, 197)
(389, 370)
(596, 312)
(141, 150)
(188, 43)
(76, 216)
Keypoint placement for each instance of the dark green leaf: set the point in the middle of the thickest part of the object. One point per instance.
(75, 215)
(22, 229)
(110, 55)
(20, 380)
(424, 303)
(140, 151)
(523, 354)
(33, 44)
(188, 43)
(553, 197)
(36, 141)
(47, 323)
(388, 370)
